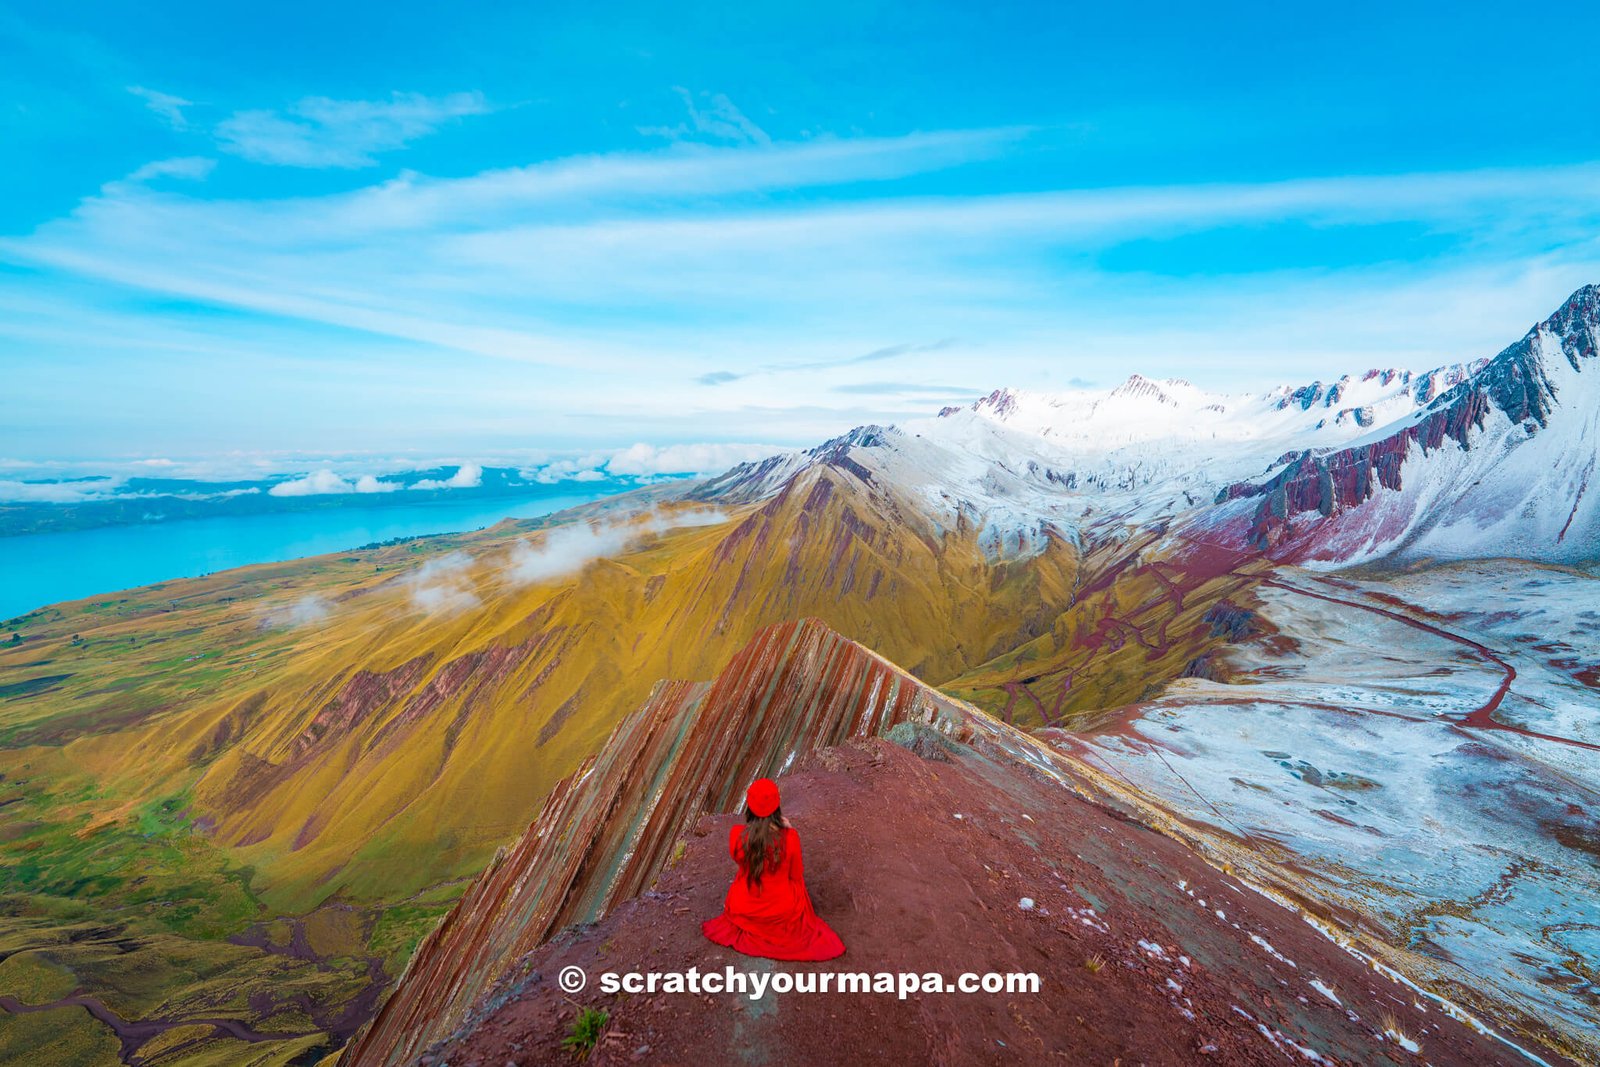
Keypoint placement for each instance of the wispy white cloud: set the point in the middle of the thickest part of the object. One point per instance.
(166, 105)
(320, 132)
(564, 550)
(305, 611)
(294, 259)
(710, 115)
(723, 377)
(610, 287)
(191, 168)
(914, 389)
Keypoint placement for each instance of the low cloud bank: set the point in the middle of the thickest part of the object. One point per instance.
(87, 491)
(567, 549)
(467, 476)
(319, 483)
(74, 482)
(325, 481)
(642, 459)
(15, 492)
(309, 609)
(653, 461)
(441, 586)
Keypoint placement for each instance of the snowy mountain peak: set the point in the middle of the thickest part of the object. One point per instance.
(1577, 324)
(1000, 404)
(1139, 387)
(1387, 376)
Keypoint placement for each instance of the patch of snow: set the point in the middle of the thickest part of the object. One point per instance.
(1402, 1040)
(1327, 991)
(1274, 953)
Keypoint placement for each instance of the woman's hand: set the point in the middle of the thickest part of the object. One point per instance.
(783, 820)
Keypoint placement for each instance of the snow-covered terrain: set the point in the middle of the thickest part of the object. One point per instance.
(1356, 739)
(1021, 464)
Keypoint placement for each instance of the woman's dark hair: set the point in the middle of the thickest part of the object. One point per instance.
(763, 844)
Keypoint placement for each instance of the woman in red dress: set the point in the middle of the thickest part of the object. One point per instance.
(768, 911)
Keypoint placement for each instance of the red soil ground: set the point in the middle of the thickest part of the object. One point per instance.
(909, 886)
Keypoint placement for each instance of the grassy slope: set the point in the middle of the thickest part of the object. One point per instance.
(187, 774)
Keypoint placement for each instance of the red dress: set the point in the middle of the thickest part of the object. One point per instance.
(776, 919)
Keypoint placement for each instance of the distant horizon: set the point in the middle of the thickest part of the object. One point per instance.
(648, 460)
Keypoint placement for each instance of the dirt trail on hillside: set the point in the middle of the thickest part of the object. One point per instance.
(1480, 717)
(1145, 954)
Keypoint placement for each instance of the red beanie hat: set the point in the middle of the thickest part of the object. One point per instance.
(762, 797)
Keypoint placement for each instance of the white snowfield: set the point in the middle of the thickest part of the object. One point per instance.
(1142, 452)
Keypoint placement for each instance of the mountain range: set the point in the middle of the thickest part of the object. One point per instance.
(1334, 639)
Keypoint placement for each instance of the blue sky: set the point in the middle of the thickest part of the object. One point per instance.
(406, 229)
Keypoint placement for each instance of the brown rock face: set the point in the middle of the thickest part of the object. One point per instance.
(607, 830)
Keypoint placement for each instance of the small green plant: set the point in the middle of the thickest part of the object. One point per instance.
(585, 1031)
(677, 852)
(1094, 963)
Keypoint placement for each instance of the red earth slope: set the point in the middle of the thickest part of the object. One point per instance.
(1146, 955)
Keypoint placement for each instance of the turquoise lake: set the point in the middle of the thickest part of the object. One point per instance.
(40, 569)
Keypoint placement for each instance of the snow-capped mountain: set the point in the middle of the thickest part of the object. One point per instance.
(1497, 455)
(1500, 464)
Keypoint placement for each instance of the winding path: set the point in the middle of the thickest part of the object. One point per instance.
(1481, 717)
